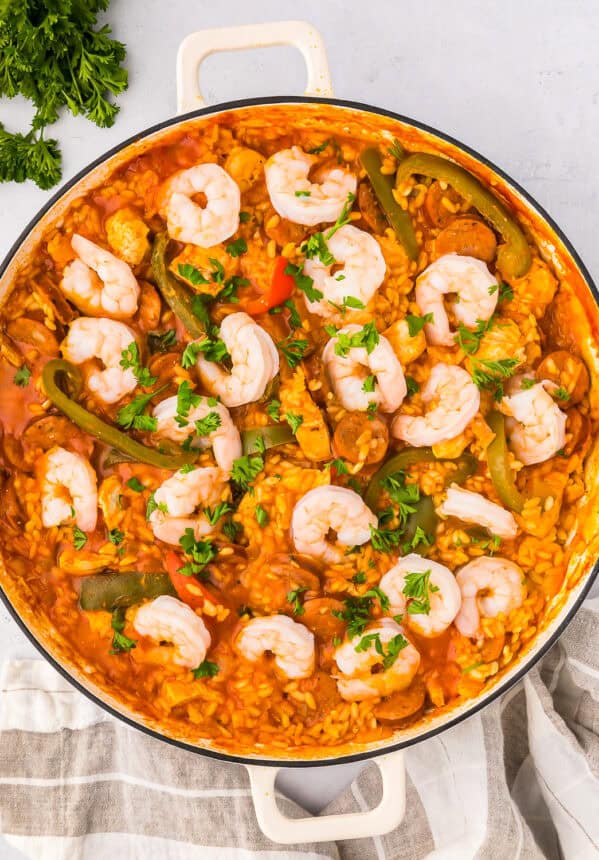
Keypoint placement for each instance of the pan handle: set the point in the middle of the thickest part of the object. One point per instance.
(194, 49)
(329, 828)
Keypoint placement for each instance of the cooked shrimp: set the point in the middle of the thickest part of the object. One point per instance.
(474, 508)
(299, 200)
(179, 496)
(93, 337)
(98, 283)
(349, 372)
(330, 508)
(291, 643)
(439, 591)
(536, 425)
(470, 280)
(489, 586)
(254, 358)
(358, 682)
(225, 440)
(458, 401)
(361, 274)
(69, 490)
(186, 221)
(166, 619)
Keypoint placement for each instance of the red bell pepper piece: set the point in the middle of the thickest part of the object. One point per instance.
(281, 288)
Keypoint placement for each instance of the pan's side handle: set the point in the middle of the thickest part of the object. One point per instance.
(289, 831)
(194, 49)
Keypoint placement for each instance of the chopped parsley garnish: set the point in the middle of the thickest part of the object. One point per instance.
(316, 246)
(295, 321)
(161, 342)
(371, 410)
(343, 218)
(316, 150)
(131, 415)
(489, 375)
(213, 516)
(417, 586)
(236, 248)
(293, 349)
(116, 537)
(405, 496)
(294, 421)
(396, 150)
(120, 643)
(130, 358)
(303, 194)
(359, 578)
(491, 544)
(368, 384)
(394, 646)
(232, 530)
(186, 468)
(416, 324)
(293, 597)
(186, 399)
(22, 376)
(412, 385)
(153, 505)
(206, 669)
(527, 383)
(79, 538)
(339, 466)
(136, 485)
(303, 282)
(356, 610)
(469, 339)
(246, 469)
(207, 425)
(191, 274)
(201, 553)
(262, 516)
(213, 349)
(384, 540)
(420, 536)
(244, 217)
(273, 410)
(561, 393)
(190, 355)
(368, 337)
(506, 293)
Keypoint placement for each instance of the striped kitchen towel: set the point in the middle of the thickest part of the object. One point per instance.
(519, 780)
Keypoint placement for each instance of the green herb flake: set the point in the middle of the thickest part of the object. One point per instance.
(303, 194)
(294, 421)
(237, 248)
(339, 466)
(79, 538)
(416, 324)
(121, 644)
(206, 669)
(244, 217)
(417, 586)
(316, 150)
(303, 282)
(262, 516)
(412, 386)
(207, 425)
(116, 537)
(293, 598)
(246, 469)
(273, 410)
(368, 384)
(368, 337)
(136, 485)
(161, 341)
(22, 376)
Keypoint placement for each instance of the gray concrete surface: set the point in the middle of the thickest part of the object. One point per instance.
(517, 80)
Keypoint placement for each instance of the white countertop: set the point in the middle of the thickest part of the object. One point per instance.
(519, 82)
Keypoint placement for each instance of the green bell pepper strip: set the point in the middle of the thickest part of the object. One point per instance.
(178, 296)
(97, 428)
(499, 465)
(272, 435)
(514, 258)
(382, 186)
(466, 466)
(110, 590)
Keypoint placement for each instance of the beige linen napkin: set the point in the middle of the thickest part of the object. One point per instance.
(519, 780)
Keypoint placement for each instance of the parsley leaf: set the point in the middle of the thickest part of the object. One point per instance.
(161, 342)
(208, 424)
(412, 386)
(191, 274)
(232, 530)
(272, 410)
(293, 597)
(206, 669)
(120, 643)
(116, 537)
(489, 374)
(153, 505)
(397, 150)
(244, 217)
(368, 384)
(129, 416)
(527, 383)
(404, 495)
(237, 248)
(417, 586)
(136, 485)
(368, 337)
(416, 324)
(303, 282)
(212, 349)
(213, 516)
(201, 553)
(295, 421)
(22, 376)
(339, 466)
(186, 399)
(561, 393)
(469, 339)
(506, 293)
(246, 469)
(79, 538)
(190, 355)
(262, 516)
(316, 150)
(384, 540)
(303, 194)
(130, 358)
(293, 349)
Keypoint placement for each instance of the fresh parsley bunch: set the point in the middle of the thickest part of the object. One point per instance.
(52, 54)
